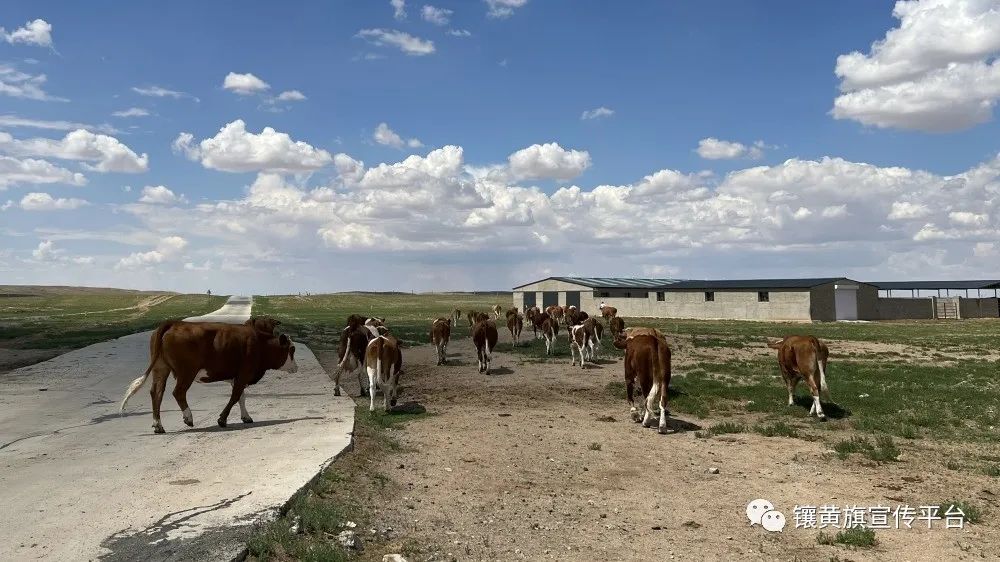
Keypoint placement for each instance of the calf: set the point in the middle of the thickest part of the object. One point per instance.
(353, 342)
(497, 309)
(804, 357)
(608, 312)
(531, 314)
(515, 323)
(647, 359)
(581, 340)
(440, 334)
(597, 331)
(239, 354)
(456, 315)
(484, 335)
(384, 363)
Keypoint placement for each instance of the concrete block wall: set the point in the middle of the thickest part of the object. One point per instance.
(979, 308)
(896, 308)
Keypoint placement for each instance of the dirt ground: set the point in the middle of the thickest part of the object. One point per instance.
(538, 461)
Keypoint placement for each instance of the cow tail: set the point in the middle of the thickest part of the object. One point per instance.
(774, 344)
(153, 358)
(825, 390)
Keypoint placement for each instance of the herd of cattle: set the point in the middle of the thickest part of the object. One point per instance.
(241, 354)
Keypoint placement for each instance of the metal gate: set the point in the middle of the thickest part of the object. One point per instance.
(845, 299)
(946, 308)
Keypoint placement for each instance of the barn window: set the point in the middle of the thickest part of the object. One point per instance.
(661, 296)
(763, 296)
(709, 296)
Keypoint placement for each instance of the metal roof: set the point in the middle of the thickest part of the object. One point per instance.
(754, 283)
(608, 282)
(932, 285)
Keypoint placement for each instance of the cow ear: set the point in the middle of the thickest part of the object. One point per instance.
(283, 340)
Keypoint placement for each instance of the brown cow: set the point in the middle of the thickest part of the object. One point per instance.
(515, 323)
(647, 358)
(440, 334)
(575, 317)
(512, 311)
(497, 309)
(554, 311)
(475, 316)
(531, 314)
(608, 312)
(263, 323)
(597, 329)
(239, 354)
(456, 315)
(617, 326)
(353, 342)
(804, 357)
(484, 335)
(384, 363)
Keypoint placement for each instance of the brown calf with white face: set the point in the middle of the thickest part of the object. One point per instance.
(647, 359)
(804, 358)
(384, 363)
(440, 334)
(515, 323)
(484, 335)
(239, 354)
(608, 312)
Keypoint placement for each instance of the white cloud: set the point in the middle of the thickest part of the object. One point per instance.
(936, 72)
(834, 212)
(291, 95)
(398, 9)
(14, 121)
(233, 149)
(168, 248)
(385, 136)
(17, 84)
(459, 32)
(37, 32)
(45, 202)
(45, 251)
(966, 218)
(597, 113)
(132, 112)
(501, 9)
(14, 171)
(160, 92)
(548, 161)
(405, 42)
(244, 84)
(108, 152)
(160, 195)
(904, 210)
(437, 16)
(714, 149)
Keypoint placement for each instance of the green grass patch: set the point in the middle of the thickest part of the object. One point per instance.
(972, 513)
(856, 537)
(882, 450)
(727, 427)
(777, 429)
(594, 447)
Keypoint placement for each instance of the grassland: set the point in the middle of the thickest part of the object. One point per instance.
(39, 322)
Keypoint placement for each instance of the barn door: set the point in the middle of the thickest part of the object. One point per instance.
(529, 299)
(549, 298)
(573, 299)
(846, 301)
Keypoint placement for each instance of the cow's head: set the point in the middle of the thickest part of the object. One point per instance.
(288, 350)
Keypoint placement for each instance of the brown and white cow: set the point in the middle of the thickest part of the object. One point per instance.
(515, 323)
(531, 314)
(239, 354)
(575, 317)
(351, 351)
(647, 359)
(384, 363)
(475, 316)
(597, 329)
(608, 312)
(484, 336)
(497, 309)
(550, 329)
(440, 334)
(456, 315)
(555, 311)
(581, 341)
(804, 358)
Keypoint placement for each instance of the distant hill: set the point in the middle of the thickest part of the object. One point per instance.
(46, 290)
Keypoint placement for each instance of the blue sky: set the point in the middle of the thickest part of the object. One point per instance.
(899, 181)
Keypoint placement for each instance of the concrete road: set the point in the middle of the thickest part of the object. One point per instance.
(80, 482)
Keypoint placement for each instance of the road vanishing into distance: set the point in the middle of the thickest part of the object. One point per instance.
(80, 482)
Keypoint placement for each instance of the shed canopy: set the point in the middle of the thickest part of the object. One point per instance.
(608, 282)
(760, 284)
(934, 285)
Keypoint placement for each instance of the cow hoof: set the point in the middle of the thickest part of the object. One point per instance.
(662, 430)
(222, 422)
(158, 429)
(189, 423)
(247, 419)
(636, 417)
(336, 391)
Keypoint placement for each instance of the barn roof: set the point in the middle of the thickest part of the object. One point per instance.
(754, 283)
(932, 285)
(609, 282)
